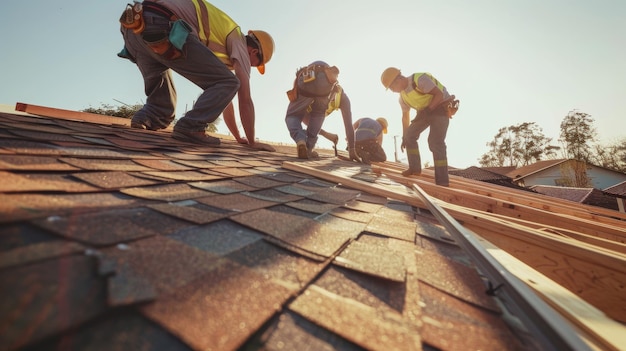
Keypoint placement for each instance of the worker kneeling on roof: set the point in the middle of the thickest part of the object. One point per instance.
(203, 44)
(368, 134)
(316, 93)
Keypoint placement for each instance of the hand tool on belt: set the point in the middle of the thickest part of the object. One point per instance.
(132, 17)
(452, 106)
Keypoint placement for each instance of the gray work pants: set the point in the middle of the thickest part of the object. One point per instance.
(297, 111)
(198, 64)
(438, 122)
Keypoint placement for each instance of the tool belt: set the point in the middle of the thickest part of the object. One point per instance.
(167, 42)
(316, 80)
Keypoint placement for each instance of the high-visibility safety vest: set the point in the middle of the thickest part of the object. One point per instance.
(335, 100)
(214, 26)
(417, 99)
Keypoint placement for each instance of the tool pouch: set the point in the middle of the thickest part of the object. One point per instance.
(452, 106)
(179, 33)
(168, 43)
(292, 94)
(132, 18)
(126, 54)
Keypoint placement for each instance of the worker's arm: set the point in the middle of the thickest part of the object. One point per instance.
(246, 108)
(406, 120)
(246, 105)
(346, 114)
(231, 123)
(436, 100)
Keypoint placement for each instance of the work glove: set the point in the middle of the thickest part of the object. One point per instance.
(353, 155)
(403, 145)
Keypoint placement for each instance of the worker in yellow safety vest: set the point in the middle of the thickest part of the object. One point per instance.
(434, 106)
(203, 44)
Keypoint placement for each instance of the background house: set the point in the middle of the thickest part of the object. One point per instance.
(569, 173)
(587, 196)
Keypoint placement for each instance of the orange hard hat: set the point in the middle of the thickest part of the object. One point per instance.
(266, 47)
(388, 76)
(383, 122)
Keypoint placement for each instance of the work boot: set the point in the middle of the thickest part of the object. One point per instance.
(313, 154)
(196, 138)
(303, 152)
(410, 172)
(142, 123)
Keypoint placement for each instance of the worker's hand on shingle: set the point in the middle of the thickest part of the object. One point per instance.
(353, 155)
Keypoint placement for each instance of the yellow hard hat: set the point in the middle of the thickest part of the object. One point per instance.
(383, 122)
(388, 76)
(266, 46)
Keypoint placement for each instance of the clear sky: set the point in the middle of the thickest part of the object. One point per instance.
(508, 61)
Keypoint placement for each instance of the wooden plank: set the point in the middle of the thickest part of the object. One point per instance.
(595, 274)
(71, 115)
(603, 331)
(540, 201)
(460, 196)
(598, 242)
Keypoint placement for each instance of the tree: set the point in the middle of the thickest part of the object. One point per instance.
(518, 145)
(612, 156)
(124, 111)
(577, 134)
(127, 111)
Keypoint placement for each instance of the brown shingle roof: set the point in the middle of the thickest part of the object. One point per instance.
(533, 168)
(617, 189)
(113, 238)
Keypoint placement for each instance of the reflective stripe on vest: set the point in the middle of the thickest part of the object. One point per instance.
(214, 26)
(416, 99)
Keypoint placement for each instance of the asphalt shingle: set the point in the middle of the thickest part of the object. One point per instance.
(114, 238)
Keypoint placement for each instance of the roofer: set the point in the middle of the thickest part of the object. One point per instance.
(435, 106)
(368, 134)
(316, 93)
(203, 44)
